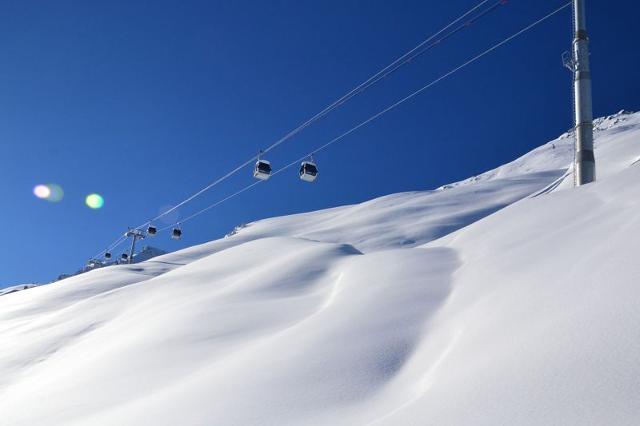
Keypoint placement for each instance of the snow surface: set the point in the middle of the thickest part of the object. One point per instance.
(15, 288)
(499, 300)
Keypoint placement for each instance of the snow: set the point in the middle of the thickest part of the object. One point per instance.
(15, 288)
(507, 298)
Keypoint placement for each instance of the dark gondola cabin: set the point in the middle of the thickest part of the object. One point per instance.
(176, 233)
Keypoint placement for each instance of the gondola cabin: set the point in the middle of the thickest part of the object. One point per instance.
(262, 170)
(308, 171)
(176, 233)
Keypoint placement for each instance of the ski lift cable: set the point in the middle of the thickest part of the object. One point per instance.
(379, 114)
(436, 42)
(217, 203)
(402, 60)
(111, 246)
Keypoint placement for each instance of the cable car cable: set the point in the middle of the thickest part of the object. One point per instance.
(383, 73)
(377, 115)
(435, 43)
(111, 246)
(402, 60)
(382, 112)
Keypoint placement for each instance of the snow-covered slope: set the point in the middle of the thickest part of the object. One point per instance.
(502, 299)
(411, 219)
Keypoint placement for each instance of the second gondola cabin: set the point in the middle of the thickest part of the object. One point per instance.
(262, 170)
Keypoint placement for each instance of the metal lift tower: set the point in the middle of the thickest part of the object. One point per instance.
(585, 165)
(135, 235)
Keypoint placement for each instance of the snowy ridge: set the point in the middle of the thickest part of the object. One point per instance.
(15, 288)
(504, 299)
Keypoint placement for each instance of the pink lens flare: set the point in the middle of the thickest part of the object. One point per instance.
(50, 192)
(42, 191)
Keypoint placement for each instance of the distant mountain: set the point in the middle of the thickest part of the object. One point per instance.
(147, 252)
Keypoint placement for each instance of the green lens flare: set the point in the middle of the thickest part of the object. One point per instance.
(56, 193)
(94, 201)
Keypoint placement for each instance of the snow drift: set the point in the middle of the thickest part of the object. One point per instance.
(502, 299)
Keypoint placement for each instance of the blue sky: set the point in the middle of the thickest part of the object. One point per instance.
(146, 102)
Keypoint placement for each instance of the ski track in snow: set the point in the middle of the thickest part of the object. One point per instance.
(501, 299)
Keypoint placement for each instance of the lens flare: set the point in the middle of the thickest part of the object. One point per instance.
(57, 194)
(50, 192)
(41, 191)
(94, 201)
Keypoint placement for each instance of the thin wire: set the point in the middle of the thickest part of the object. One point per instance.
(111, 246)
(435, 43)
(386, 71)
(217, 203)
(379, 114)
(383, 73)
(124, 239)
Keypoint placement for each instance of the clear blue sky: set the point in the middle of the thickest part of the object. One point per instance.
(145, 102)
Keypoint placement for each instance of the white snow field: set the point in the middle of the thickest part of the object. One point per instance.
(505, 299)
